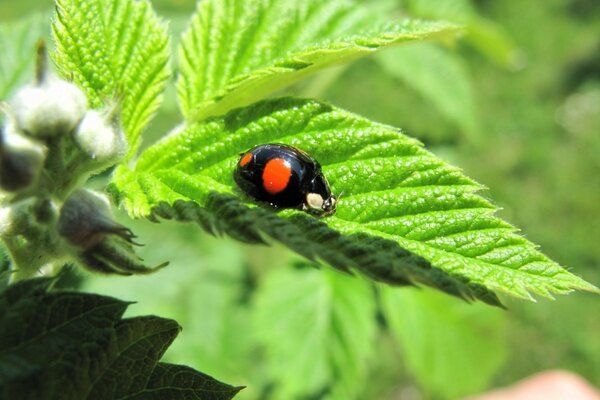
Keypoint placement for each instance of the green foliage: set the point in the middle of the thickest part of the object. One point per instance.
(238, 51)
(205, 289)
(318, 325)
(17, 41)
(486, 36)
(451, 348)
(439, 76)
(62, 345)
(117, 51)
(538, 170)
(393, 189)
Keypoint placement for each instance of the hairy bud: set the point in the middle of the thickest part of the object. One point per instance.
(99, 138)
(21, 160)
(102, 244)
(85, 219)
(52, 108)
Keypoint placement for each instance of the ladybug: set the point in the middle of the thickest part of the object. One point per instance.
(285, 177)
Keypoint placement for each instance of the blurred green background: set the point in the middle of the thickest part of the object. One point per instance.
(516, 103)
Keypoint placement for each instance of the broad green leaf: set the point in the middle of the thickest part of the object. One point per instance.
(396, 197)
(208, 282)
(318, 330)
(437, 75)
(451, 348)
(486, 36)
(65, 345)
(117, 51)
(18, 44)
(238, 51)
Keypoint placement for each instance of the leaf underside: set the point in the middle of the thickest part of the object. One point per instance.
(380, 259)
(64, 345)
(401, 205)
(238, 51)
(117, 51)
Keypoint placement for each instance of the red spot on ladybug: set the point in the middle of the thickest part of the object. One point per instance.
(276, 175)
(246, 159)
(285, 177)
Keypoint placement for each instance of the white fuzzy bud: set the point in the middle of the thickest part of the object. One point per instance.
(99, 138)
(55, 107)
(21, 159)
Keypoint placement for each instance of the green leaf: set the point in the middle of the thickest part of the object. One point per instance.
(451, 348)
(488, 37)
(439, 76)
(18, 44)
(238, 51)
(396, 196)
(318, 330)
(116, 51)
(63, 345)
(215, 334)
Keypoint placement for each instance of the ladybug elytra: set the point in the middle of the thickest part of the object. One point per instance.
(285, 177)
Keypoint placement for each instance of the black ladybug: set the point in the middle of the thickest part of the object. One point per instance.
(285, 177)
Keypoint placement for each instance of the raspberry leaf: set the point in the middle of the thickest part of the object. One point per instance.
(79, 347)
(238, 51)
(118, 52)
(403, 210)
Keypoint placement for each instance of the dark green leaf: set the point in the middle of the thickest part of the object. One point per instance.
(63, 345)
(178, 382)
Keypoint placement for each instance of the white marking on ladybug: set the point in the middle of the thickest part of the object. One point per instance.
(314, 201)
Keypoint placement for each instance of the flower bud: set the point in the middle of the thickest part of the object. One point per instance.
(52, 108)
(102, 245)
(21, 160)
(99, 138)
(85, 219)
